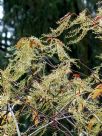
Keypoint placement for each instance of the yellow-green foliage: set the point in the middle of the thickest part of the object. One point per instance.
(48, 98)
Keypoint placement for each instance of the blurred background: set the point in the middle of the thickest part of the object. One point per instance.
(20, 18)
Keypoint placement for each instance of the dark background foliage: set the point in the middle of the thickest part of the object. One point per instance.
(34, 17)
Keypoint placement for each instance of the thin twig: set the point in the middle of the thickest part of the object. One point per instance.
(56, 119)
(61, 130)
(65, 117)
(64, 128)
(90, 70)
(15, 121)
(41, 128)
(97, 118)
